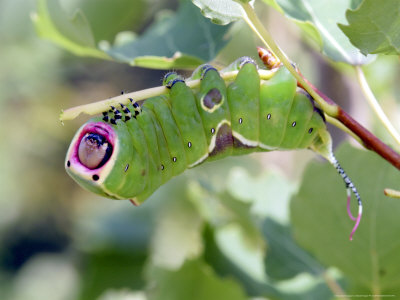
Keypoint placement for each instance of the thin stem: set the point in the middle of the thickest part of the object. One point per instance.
(375, 105)
(339, 125)
(104, 105)
(254, 22)
(373, 251)
(370, 141)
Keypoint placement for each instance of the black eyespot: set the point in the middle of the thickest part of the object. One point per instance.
(95, 177)
(269, 116)
(162, 167)
(174, 159)
(212, 130)
(310, 130)
(294, 124)
(212, 98)
(126, 167)
(189, 144)
(68, 164)
(240, 120)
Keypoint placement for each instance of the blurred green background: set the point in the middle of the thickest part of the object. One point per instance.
(217, 232)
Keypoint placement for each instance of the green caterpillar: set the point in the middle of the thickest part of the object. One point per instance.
(133, 150)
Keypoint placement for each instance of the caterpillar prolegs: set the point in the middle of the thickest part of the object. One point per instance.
(133, 149)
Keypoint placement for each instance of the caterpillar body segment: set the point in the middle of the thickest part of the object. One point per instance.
(244, 96)
(149, 127)
(159, 147)
(173, 138)
(189, 122)
(141, 147)
(276, 100)
(213, 106)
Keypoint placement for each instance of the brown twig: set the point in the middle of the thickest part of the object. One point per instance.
(369, 140)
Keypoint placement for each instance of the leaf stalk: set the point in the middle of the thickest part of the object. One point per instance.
(373, 102)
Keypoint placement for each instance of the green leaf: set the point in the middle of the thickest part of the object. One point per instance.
(301, 286)
(226, 213)
(222, 209)
(195, 281)
(285, 257)
(374, 27)
(108, 18)
(70, 32)
(236, 230)
(243, 1)
(113, 241)
(111, 268)
(321, 225)
(178, 230)
(183, 40)
(318, 19)
(243, 251)
(122, 294)
(222, 11)
(177, 61)
(236, 245)
(269, 192)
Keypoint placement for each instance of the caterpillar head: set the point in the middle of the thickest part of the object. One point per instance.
(103, 159)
